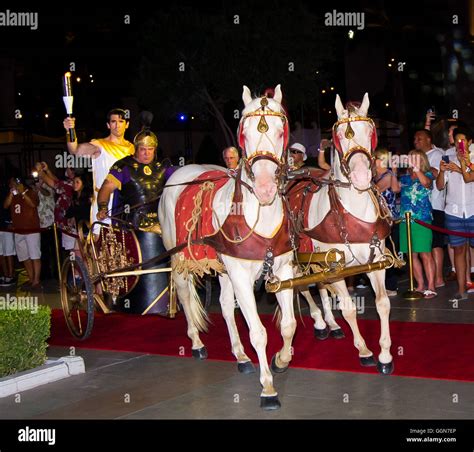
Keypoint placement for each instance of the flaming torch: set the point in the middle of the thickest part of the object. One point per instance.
(67, 99)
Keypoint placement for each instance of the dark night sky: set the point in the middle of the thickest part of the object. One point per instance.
(101, 45)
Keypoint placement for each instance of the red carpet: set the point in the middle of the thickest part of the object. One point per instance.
(425, 350)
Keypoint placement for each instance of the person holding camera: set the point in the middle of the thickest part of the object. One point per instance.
(423, 141)
(64, 189)
(23, 204)
(324, 148)
(7, 244)
(415, 198)
(388, 186)
(459, 208)
(46, 218)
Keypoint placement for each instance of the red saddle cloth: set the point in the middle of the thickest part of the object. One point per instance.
(300, 193)
(329, 230)
(184, 210)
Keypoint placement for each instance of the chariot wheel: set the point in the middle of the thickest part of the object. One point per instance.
(82, 230)
(77, 297)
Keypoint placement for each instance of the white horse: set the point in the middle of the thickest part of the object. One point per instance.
(351, 228)
(263, 133)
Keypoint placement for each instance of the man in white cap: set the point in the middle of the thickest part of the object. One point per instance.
(297, 155)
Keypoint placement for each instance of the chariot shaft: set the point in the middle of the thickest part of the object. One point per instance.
(326, 276)
(332, 256)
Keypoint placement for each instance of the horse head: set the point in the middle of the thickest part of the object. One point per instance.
(355, 138)
(263, 137)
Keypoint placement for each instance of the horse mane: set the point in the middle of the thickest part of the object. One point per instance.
(353, 108)
(268, 93)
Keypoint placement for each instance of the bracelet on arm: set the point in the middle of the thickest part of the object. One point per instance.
(103, 205)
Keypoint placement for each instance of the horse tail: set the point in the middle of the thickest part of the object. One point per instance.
(197, 314)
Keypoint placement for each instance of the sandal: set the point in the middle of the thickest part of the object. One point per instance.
(429, 294)
(458, 297)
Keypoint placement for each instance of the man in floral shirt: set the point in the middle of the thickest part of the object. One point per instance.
(46, 216)
(64, 190)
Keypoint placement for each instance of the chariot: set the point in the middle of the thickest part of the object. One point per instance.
(106, 266)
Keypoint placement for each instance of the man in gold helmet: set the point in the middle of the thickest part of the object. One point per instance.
(139, 178)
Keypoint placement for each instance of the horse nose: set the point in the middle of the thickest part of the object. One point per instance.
(266, 192)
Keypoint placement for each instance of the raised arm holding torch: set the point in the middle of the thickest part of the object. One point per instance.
(68, 99)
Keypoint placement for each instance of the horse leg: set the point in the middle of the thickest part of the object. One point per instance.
(348, 308)
(226, 300)
(185, 298)
(382, 303)
(336, 330)
(321, 329)
(282, 358)
(243, 288)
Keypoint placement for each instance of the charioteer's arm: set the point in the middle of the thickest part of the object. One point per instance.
(83, 149)
(103, 197)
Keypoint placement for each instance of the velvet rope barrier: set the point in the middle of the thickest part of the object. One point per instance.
(468, 235)
(36, 230)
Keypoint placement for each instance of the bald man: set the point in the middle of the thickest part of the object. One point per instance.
(231, 157)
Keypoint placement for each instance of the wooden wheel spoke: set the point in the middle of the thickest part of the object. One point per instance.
(77, 298)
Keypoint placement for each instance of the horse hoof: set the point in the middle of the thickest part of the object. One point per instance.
(368, 361)
(275, 368)
(246, 368)
(337, 334)
(200, 353)
(270, 403)
(385, 368)
(321, 334)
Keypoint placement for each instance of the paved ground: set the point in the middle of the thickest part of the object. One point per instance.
(140, 386)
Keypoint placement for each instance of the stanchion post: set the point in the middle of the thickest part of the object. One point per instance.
(410, 294)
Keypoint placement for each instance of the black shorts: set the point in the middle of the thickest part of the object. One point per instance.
(439, 239)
